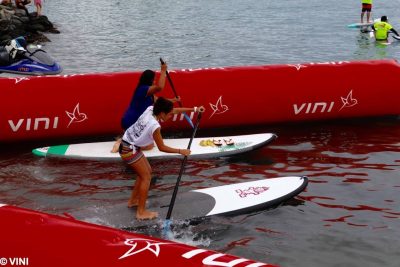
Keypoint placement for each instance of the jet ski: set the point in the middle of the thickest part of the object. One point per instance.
(19, 58)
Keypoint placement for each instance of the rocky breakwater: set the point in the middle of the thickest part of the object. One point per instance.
(15, 22)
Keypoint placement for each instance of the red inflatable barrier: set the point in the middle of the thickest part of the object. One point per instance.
(30, 238)
(92, 104)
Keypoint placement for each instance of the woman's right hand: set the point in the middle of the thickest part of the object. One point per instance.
(176, 99)
(201, 109)
(185, 152)
(164, 67)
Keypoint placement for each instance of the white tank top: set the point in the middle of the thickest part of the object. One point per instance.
(140, 134)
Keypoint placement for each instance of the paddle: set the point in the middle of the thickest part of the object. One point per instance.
(394, 35)
(397, 37)
(371, 34)
(172, 203)
(176, 95)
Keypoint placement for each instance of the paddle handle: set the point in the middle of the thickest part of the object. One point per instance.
(170, 82)
(173, 198)
(176, 95)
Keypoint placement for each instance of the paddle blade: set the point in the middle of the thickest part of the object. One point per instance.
(371, 34)
(166, 231)
(188, 119)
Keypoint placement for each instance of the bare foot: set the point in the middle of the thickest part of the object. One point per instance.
(146, 215)
(133, 203)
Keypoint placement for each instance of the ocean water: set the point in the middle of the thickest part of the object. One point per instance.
(132, 35)
(349, 214)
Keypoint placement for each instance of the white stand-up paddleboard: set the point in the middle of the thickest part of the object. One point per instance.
(201, 147)
(221, 200)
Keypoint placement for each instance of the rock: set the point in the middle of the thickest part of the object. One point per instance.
(20, 12)
(17, 22)
(36, 27)
(54, 30)
(37, 38)
(4, 26)
(4, 39)
(43, 21)
(6, 13)
(14, 22)
(23, 19)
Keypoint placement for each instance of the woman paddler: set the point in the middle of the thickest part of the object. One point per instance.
(142, 134)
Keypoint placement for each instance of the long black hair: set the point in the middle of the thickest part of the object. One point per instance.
(162, 105)
(147, 78)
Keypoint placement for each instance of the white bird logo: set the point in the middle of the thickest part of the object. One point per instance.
(297, 66)
(17, 80)
(218, 108)
(151, 245)
(76, 115)
(349, 101)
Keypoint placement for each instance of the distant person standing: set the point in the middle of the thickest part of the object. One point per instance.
(21, 4)
(366, 7)
(382, 29)
(38, 4)
(6, 3)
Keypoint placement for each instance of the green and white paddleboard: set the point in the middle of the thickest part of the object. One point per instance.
(201, 148)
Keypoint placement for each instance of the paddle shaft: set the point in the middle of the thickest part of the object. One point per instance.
(172, 203)
(171, 83)
(176, 95)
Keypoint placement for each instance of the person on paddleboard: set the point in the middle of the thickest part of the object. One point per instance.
(142, 135)
(143, 97)
(382, 29)
(366, 6)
